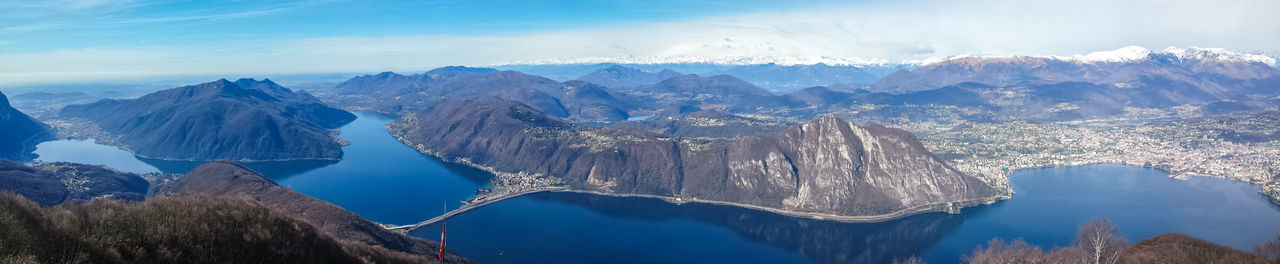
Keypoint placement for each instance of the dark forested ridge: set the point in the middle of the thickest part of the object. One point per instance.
(19, 133)
(186, 229)
(827, 166)
(228, 179)
(219, 213)
(54, 183)
(241, 120)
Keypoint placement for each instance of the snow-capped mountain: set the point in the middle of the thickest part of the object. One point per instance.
(1136, 53)
(1210, 72)
(793, 73)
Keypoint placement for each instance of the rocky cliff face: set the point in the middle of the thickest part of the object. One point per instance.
(242, 120)
(827, 166)
(20, 132)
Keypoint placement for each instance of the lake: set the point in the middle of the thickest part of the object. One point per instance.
(379, 177)
(386, 181)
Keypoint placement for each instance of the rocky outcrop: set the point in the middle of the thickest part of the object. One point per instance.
(824, 168)
(243, 120)
(20, 132)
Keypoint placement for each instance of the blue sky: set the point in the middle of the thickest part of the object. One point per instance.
(38, 26)
(60, 40)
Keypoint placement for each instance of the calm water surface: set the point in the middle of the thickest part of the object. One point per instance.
(386, 181)
(379, 178)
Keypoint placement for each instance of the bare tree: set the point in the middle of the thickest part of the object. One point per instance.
(1099, 243)
(1064, 255)
(1269, 251)
(910, 260)
(997, 252)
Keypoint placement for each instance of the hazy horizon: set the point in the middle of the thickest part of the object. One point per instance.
(74, 40)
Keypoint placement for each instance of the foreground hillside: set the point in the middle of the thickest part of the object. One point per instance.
(221, 212)
(243, 120)
(228, 179)
(1098, 242)
(825, 168)
(170, 230)
(20, 132)
(53, 183)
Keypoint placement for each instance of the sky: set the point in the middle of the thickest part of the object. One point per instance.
(49, 41)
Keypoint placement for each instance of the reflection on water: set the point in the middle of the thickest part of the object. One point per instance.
(1049, 205)
(584, 228)
(821, 241)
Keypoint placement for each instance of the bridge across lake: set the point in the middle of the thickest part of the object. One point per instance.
(468, 207)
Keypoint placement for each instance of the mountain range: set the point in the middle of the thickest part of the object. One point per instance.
(775, 77)
(1215, 73)
(243, 120)
(618, 76)
(394, 93)
(21, 133)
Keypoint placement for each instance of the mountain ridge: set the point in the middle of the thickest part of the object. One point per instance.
(751, 170)
(21, 133)
(220, 120)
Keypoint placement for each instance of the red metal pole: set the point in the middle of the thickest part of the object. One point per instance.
(443, 225)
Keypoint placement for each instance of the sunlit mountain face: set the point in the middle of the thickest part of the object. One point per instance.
(395, 131)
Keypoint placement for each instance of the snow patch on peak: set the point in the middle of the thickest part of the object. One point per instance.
(1218, 54)
(933, 60)
(1125, 54)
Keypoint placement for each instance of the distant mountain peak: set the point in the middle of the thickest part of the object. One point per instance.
(1125, 54)
(456, 71)
(695, 59)
(1218, 54)
(623, 76)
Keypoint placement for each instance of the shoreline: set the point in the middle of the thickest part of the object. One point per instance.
(126, 148)
(1181, 176)
(951, 207)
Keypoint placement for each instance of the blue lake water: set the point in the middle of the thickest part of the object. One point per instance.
(386, 181)
(379, 178)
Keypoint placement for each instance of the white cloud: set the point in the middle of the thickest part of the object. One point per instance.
(895, 31)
